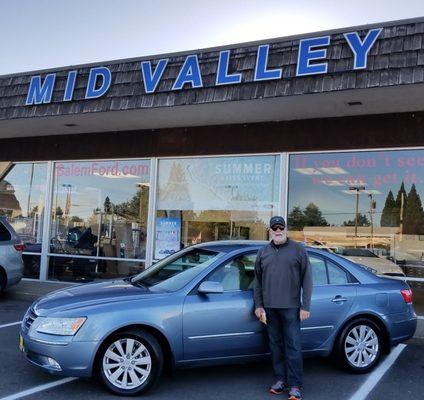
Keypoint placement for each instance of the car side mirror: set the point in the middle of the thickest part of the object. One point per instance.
(210, 287)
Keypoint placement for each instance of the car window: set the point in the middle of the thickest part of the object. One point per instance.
(357, 253)
(319, 270)
(175, 271)
(237, 274)
(4, 234)
(336, 275)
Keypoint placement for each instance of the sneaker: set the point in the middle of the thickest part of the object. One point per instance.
(278, 387)
(295, 394)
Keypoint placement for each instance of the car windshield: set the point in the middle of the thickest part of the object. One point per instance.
(357, 253)
(175, 271)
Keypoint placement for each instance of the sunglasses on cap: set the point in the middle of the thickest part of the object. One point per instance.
(280, 227)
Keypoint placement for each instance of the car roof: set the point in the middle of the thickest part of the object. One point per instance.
(227, 246)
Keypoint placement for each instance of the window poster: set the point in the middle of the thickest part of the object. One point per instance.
(168, 236)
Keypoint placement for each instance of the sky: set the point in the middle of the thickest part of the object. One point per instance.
(41, 34)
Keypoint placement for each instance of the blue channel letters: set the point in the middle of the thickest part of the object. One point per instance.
(189, 73)
(360, 48)
(96, 73)
(151, 80)
(40, 93)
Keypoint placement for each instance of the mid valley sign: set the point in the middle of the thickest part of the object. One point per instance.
(310, 61)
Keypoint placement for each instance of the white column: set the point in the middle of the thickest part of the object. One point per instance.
(45, 244)
(284, 182)
(151, 220)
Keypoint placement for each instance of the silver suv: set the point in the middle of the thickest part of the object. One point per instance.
(11, 264)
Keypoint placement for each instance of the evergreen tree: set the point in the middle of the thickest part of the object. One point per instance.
(413, 217)
(399, 204)
(313, 216)
(388, 216)
(107, 205)
(296, 219)
(362, 221)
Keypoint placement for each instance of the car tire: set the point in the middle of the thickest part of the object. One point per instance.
(130, 362)
(359, 346)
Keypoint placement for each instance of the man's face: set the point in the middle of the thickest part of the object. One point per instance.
(278, 234)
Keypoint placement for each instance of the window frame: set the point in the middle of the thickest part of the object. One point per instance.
(195, 291)
(351, 279)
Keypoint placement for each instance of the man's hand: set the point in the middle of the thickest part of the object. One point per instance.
(304, 315)
(259, 312)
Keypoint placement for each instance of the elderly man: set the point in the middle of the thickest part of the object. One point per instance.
(283, 288)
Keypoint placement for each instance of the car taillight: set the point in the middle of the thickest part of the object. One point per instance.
(407, 295)
(19, 247)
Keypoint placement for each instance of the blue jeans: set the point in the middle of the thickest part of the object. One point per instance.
(285, 344)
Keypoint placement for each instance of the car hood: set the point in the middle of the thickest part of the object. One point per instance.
(90, 295)
(380, 265)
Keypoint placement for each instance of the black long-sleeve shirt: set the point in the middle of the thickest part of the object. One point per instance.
(283, 276)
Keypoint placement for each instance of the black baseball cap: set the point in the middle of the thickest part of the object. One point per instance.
(277, 220)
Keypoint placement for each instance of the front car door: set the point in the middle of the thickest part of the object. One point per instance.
(224, 324)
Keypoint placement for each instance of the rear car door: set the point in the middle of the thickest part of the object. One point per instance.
(333, 294)
(224, 324)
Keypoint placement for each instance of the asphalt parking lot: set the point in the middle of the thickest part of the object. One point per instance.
(396, 378)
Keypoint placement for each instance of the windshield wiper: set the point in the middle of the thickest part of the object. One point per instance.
(138, 283)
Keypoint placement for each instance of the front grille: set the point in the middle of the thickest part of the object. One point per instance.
(30, 318)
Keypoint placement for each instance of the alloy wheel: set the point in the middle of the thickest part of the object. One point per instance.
(127, 363)
(361, 346)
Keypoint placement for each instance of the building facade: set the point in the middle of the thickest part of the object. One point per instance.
(106, 168)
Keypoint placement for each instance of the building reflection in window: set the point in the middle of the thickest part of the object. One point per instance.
(100, 209)
(203, 199)
(366, 206)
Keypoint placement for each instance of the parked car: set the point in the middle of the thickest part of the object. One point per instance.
(370, 260)
(11, 265)
(196, 308)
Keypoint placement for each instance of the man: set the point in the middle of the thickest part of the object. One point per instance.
(283, 288)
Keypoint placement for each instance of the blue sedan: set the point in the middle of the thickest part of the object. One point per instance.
(196, 308)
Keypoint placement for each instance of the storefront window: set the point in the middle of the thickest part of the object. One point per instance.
(366, 206)
(203, 199)
(99, 209)
(22, 196)
(23, 189)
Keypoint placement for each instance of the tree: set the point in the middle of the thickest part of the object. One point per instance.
(313, 216)
(107, 205)
(296, 219)
(413, 218)
(397, 210)
(362, 221)
(388, 216)
(136, 208)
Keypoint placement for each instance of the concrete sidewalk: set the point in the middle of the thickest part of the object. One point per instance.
(31, 289)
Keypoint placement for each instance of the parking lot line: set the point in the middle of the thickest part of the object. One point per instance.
(375, 377)
(11, 324)
(38, 389)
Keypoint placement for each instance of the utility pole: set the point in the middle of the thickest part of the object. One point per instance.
(402, 200)
(372, 207)
(357, 189)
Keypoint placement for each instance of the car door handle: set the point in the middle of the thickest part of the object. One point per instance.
(339, 299)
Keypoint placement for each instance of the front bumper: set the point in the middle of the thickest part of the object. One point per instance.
(73, 358)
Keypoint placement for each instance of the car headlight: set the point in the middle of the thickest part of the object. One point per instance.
(59, 326)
